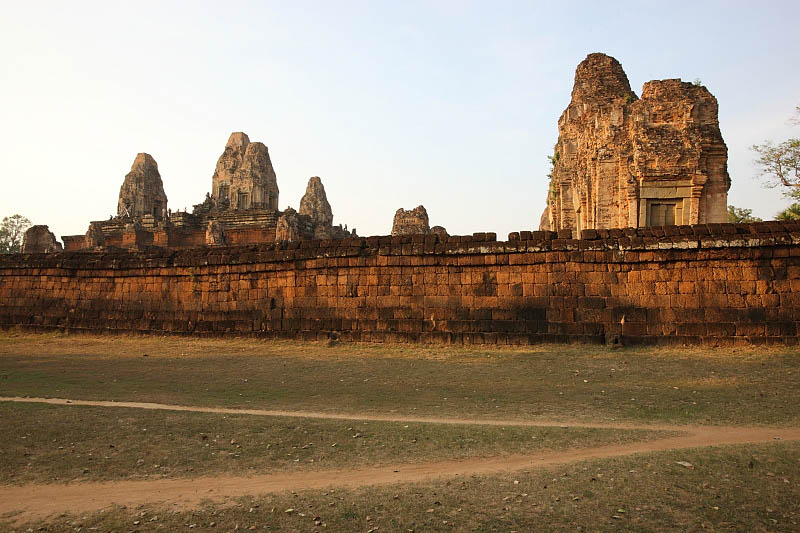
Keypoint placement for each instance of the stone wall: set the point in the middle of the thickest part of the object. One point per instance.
(680, 284)
(185, 231)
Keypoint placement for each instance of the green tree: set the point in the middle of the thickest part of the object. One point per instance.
(790, 213)
(739, 214)
(793, 211)
(779, 163)
(12, 230)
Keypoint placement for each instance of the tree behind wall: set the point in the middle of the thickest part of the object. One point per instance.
(739, 214)
(779, 164)
(12, 231)
(793, 211)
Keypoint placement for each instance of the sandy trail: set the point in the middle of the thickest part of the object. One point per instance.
(340, 416)
(28, 502)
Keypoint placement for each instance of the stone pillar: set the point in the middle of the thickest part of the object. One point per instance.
(633, 205)
(698, 183)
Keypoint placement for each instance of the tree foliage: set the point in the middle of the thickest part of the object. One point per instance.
(779, 163)
(790, 213)
(793, 211)
(739, 214)
(12, 231)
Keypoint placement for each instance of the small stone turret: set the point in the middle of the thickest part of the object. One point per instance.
(142, 192)
(215, 236)
(244, 177)
(315, 203)
(39, 239)
(94, 236)
(413, 221)
(600, 78)
(288, 226)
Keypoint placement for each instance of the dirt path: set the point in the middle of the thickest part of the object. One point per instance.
(29, 502)
(341, 416)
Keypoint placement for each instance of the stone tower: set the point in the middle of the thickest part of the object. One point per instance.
(622, 161)
(411, 222)
(142, 192)
(244, 177)
(314, 203)
(40, 240)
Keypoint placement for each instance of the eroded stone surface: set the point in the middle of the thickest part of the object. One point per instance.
(308, 292)
(214, 234)
(288, 226)
(39, 239)
(315, 204)
(94, 236)
(622, 161)
(244, 177)
(440, 231)
(142, 191)
(413, 221)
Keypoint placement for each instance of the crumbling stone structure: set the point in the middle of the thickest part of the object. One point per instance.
(622, 161)
(289, 227)
(242, 208)
(715, 283)
(244, 177)
(314, 203)
(411, 222)
(315, 206)
(142, 191)
(94, 236)
(215, 236)
(440, 231)
(38, 240)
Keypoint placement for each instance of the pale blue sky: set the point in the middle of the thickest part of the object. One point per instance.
(448, 104)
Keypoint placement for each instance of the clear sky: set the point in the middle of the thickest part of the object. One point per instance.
(449, 104)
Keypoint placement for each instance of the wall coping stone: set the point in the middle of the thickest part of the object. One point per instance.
(677, 238)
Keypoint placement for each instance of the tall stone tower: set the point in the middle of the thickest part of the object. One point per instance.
(314, 203)
(142, 192)
(625, 161)
(244, 177)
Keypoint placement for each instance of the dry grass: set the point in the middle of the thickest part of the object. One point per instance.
(690, 385)
(732, 489)
(739, 488)
(45, 444)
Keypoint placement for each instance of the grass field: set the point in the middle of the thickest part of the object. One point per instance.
(736, 489)
(96, 443)
(691, 385)
(752, 487)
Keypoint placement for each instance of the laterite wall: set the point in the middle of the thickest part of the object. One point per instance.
(706, 283)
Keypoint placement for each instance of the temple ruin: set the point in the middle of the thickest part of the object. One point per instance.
(624, 161)
(142, 191)
(415, 222)
(244, 177)
(40, 240)
(621, 161)
(242, 208)
(411, 222)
